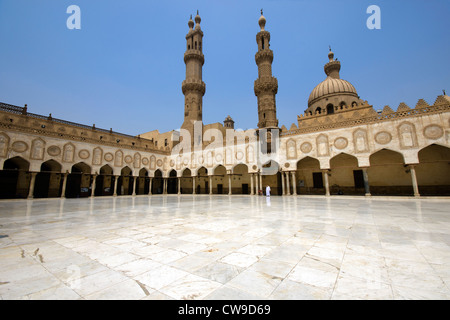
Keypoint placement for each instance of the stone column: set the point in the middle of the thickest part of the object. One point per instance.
(366, 182)
(32, 181)
(294, 184)
(288, 187)
(116, 179)
(210, 185)
(193, 184)
(179, 185)
(150, 186)
(260, 182)
(94, 181)
(165, 185)
(414, 180)
(251, 184)
(327, 185)
(283, 192)
(229, 184)
(133, 185)
(64, 182)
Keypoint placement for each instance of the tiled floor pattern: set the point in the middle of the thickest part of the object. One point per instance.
(221, 247)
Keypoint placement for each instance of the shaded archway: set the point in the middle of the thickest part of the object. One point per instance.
(309, 177)
(104, 184)
(271, 176)
(201, 181)
(240, 180)
(125, 182)
(143, 182)
(186, 182)
(15, 179)
(157, 185)
(79, 181)
(220, 180)
(388, 174)
(345, 177)
(48, 180)
(433, 170)
(172, 182)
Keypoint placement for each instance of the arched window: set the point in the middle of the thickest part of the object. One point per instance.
(195, 45)
(262, 41)
(330, 109)
(318, 110)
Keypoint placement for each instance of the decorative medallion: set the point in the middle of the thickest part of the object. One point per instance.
(109, 156)
(433, 131)
(287, 165)
(341, 143)
(128, 159)
(84, 154)
(239, 155)
(383, 137)
(306, 147)
(159, 162)
(19, 146)
(186, 161)
(219, 157)
(255, 167)
(54, 151)
(172, 163)
(145, 161)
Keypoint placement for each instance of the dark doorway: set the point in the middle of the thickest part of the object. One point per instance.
(220, 188)
(245, 188)
(359, 178)
(317, 180)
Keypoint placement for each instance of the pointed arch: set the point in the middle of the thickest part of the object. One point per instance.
(15, 179)
(388, 174)
(433, 170)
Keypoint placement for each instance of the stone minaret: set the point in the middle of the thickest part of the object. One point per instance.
(266, 86)
(193, 87)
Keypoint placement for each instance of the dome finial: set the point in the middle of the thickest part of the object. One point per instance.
(330, 54)
(197, 20)
(191, 23)
(262, 21)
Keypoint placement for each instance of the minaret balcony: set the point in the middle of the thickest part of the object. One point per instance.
(194, 54)
(190, 85)
(264, 55)
(266, 84)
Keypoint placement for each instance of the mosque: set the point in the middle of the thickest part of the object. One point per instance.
(339, 145)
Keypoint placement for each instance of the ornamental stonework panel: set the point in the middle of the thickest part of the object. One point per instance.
(383, 137)
(306, 147)
(433, 131)
(360, 141)
(341, 143)
(137, 160)
(84, 154)
(291, 149)
(19, 146)
(97, 156)
(54, 151)
(152, 162)
(4, 144)
(323, 149)
(37, 149)
(407, 134)
(118, 158)
(68, 153)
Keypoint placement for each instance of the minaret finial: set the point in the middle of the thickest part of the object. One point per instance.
(261, 11)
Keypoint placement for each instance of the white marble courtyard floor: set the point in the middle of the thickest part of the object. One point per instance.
(221, 247)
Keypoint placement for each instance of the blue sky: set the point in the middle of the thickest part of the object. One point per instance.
(124, 68)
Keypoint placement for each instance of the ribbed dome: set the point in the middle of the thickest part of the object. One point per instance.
(331, 86)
